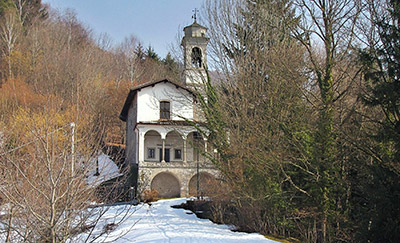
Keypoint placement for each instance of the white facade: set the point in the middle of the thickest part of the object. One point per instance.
(163, 148)
(148, 102)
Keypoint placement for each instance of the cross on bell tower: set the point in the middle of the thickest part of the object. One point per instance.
(195, 11)
(194, 44)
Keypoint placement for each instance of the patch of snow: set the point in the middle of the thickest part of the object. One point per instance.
(103, 170)
(5, 209)
(159, 222)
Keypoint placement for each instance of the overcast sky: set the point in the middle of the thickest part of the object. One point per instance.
(153, 22)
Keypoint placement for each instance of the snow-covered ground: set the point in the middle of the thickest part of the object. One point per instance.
(105, 167)
(161, 223)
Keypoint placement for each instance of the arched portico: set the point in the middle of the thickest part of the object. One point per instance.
(169, 157)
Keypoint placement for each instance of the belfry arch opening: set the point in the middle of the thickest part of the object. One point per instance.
(166, 184)
(197, 57)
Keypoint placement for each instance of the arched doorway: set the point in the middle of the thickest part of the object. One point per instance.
(206, 182)
(166, 184)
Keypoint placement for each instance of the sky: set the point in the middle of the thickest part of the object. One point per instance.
(153, 22)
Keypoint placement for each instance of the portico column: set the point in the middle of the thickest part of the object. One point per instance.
(184, 151)
(163, 151)
(141, 146)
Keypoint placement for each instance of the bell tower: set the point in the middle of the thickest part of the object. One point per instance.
(194, 43)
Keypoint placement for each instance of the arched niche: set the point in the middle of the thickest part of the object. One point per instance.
(166, 184)
(206, 182)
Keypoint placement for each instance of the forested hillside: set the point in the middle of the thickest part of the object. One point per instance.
(50, 59)
(307, 122)
(304, 126)
(61, 91)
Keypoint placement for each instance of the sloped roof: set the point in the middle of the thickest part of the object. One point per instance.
(124, 113)
(195, 24)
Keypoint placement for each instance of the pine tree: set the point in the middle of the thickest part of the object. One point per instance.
(380, 194)
(382, 75)
(151, 54)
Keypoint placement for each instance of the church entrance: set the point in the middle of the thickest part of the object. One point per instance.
(166, 184)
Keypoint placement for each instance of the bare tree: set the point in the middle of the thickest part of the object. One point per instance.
(257, 115)
(223, 17)
(327, 32)
(130, 59)
(10, 31)
(44, 178)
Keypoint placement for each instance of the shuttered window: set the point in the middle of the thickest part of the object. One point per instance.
(165, 112)
(178, 154)
(151, 153)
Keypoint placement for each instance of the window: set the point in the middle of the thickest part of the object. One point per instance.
(178, 154)
(151, 153)
(197, 136)
(166, 155)
(165, 110)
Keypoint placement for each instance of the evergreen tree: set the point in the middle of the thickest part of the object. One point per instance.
(382, 75)
(380, 193)
(172, 67)
(27, 10)
(151, 54)
(169, 62)
(140, 52)
(324, 33)
(262, 109)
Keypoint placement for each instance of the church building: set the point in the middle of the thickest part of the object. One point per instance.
(163, 150)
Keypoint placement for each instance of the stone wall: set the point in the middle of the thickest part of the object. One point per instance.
(183, 172)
